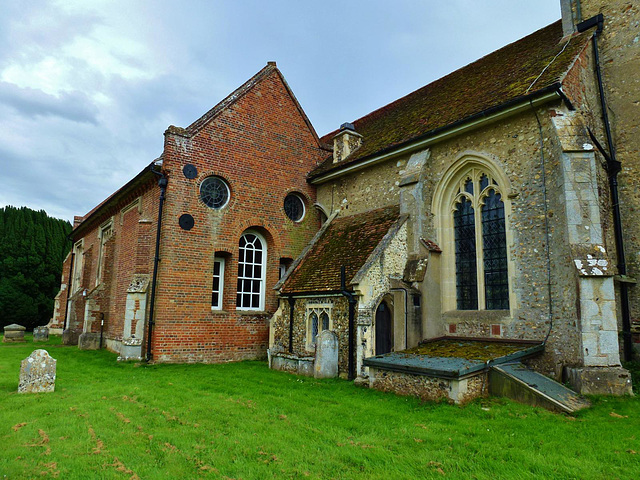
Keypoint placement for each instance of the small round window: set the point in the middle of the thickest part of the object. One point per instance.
(294, 207)
(214, 192)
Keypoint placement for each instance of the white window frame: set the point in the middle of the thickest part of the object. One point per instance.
(318, 309)
(243, 278)
(104, 234)
(220, 276)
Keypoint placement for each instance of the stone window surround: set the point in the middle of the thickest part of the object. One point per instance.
(78, 264)
(105, 232)
(444, 199)
(318, 309)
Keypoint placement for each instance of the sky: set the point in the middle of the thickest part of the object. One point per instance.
(88, 87)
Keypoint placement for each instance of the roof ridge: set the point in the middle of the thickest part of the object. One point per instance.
(439, 79)
(229, 100)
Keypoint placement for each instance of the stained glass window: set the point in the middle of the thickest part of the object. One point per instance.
(479, 226)
(465, 240)
(494, 247)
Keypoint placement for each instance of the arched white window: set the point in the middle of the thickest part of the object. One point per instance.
(252, 259)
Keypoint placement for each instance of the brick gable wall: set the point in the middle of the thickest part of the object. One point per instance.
(262, 146)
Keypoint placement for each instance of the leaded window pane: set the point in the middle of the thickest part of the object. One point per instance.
(494, 241)
(294, 207)
(325, 320)
(214, 192)
(314, 327)
(465, 243)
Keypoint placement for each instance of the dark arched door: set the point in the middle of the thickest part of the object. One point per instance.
(383, 328)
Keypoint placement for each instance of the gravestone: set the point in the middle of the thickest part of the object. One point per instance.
(37, 373)
(70, 336)
(41, 334)
(13, 333)
(326, 364)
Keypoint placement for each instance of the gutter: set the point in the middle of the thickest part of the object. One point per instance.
(493, 114)
(613, 168)
(162, 183)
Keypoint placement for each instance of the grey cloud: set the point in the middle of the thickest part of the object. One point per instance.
(74, 106)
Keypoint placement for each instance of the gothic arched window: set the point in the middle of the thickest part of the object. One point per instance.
(482, 279)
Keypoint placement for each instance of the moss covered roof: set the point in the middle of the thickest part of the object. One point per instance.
(526, 68)
(347, 241)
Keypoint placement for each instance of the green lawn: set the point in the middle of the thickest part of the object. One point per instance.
(113, 420)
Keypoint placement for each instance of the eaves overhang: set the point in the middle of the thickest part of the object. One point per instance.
(466, 125)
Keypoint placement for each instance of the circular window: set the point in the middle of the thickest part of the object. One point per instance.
(294, 207)
(214, 192)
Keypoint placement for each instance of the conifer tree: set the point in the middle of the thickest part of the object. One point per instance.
(32, 249)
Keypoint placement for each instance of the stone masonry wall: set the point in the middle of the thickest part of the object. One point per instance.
(339, 322)
(513, 146)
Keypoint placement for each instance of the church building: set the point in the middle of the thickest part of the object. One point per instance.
(491, 211)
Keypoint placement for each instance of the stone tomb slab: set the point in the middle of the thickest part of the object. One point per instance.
(13, 333)
(37, 373)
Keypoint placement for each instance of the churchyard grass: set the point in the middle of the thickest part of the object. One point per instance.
(128, 420)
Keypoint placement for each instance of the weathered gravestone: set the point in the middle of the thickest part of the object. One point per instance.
(13, 333)
(37, 373)
(40, 334)
(326, 364)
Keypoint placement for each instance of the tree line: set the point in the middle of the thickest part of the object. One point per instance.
(32, 249)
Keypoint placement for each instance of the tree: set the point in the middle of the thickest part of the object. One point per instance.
(32, 249)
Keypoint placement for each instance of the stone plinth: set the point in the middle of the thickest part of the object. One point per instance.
(600, 380)
(89, 341)
(131, 349)
(37, 373)
(13, 333)
(41, 334)
(70, 336)
(326, 363)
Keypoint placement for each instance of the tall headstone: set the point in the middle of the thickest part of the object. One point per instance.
(37, 373)
(40, 334)
(13, 333)
(326, 364)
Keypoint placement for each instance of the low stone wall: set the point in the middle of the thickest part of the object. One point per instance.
(292, 363)
(429, 388)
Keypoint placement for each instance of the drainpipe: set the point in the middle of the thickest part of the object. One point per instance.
(352, 310)
(162, 183)
(613, 168)
(292, 302)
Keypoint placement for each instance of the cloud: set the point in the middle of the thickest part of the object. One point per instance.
(31, 102)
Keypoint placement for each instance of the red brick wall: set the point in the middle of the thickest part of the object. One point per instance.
(263, 148)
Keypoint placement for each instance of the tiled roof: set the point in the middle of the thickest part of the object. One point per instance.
(347, 241)
(526, 68)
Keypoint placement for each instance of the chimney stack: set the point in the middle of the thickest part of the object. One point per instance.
(345, 142)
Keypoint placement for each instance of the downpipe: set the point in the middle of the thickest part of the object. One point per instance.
(162, 183)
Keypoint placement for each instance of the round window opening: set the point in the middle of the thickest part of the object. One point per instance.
(294, 207)
(214, 192)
